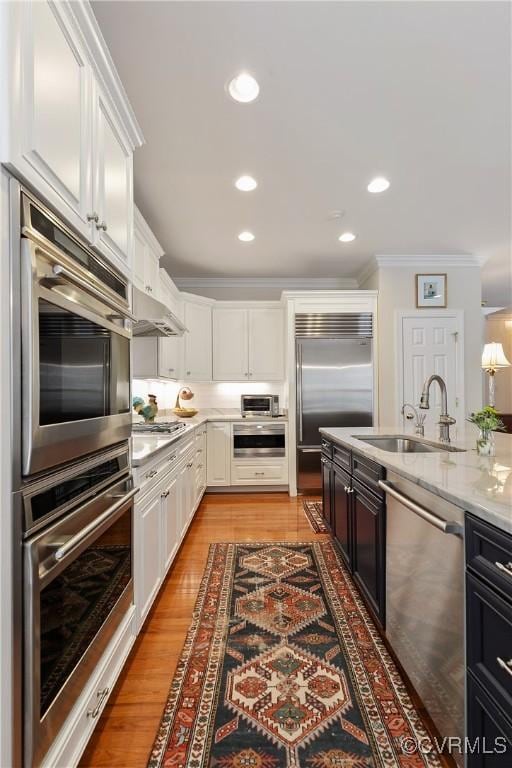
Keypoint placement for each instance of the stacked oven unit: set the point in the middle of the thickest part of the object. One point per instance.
(73, 488)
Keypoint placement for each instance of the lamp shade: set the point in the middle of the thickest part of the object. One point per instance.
(493, 357)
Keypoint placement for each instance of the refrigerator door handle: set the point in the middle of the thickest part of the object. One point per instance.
(299, 388)
(310, 450)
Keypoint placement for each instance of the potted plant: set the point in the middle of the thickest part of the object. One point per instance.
(488, 421)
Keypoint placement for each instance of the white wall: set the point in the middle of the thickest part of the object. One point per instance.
(206, 394)
(498, 328)
(397, 291)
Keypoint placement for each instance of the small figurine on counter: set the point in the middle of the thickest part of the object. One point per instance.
(149, 411)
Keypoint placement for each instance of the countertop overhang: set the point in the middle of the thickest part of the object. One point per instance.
(479, 484)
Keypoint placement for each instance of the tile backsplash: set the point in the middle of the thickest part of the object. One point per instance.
(206, 394)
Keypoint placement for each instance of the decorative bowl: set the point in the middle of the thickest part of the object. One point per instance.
(185, 413)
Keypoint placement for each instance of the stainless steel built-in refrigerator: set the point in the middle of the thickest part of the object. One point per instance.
(334, 383)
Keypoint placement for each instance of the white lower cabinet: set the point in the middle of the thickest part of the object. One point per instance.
(169, 496)
(218, 452)
(269, 472)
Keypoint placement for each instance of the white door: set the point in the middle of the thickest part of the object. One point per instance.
(147, 557)
(198, 342)
(218, 453)
(152, 273)
(431, 344)
(113, 187)
(170, 522)
(266, 344)
(230, 348)
(54, 131)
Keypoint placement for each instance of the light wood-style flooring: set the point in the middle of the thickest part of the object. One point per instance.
(126, 730)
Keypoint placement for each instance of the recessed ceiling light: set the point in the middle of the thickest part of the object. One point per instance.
(379, 184)
(347, 237)
(246, 183)
(243, 88)
(246, 237)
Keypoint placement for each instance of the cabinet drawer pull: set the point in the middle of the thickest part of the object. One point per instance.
(506, 665)
(171, 458)
(165, 494)
(102, 695)
(102, 226)
(189, 464)
(505, 568)
(259, 473)
(151, 474)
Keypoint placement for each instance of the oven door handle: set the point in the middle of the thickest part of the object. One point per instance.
(75, 540)
(59, 269)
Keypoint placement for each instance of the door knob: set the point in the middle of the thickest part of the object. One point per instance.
(102, 226)
(93, 217)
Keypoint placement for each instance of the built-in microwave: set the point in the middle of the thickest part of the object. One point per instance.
(259, 405)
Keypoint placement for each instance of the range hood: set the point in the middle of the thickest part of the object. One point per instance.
(153, 318)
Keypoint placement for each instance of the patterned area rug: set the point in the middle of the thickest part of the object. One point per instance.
(313, 512)
(283, 668)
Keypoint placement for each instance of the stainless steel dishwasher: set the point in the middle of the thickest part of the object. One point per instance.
(425, 597)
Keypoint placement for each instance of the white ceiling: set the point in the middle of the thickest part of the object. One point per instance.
(416, 91)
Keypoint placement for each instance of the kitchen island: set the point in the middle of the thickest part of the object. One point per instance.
(427, 539)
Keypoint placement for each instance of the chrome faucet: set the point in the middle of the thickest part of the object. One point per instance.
(444, 420)
(419, 428)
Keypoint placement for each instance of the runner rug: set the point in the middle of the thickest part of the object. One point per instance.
(283, 668)
(313, 512)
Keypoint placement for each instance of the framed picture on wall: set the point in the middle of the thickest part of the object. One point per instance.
(431, 290)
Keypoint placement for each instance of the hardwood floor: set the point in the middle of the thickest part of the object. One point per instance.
(125, 732)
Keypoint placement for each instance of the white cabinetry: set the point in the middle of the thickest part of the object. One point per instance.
(218, 446)
(197, 341)
(65, 125)
(155, 358)
(230, 344)
(113, 185)
(248, 344)
(266, 344)
(169, 495)
(149, 571)
(146, 256)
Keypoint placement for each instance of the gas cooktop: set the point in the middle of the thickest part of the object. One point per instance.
(166, 427)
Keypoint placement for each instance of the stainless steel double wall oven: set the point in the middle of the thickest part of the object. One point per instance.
(73, 488)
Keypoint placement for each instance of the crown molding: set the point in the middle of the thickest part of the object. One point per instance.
(105, 69)
(283, 283)
(427, 260)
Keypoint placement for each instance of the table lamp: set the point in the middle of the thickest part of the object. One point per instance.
(493, 358)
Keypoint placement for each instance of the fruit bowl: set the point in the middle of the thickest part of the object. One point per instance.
(185, 413)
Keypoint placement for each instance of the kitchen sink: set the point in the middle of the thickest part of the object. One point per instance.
(404, 444)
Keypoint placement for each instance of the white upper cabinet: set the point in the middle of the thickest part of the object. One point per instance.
(266, 344)
(197, 341)
(248, 344)
(230, 345)
(49, 131)
(70, 138)
(146, 257)
(113, 186)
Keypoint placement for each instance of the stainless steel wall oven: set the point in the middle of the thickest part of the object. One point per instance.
(75, 345)
(78, 582)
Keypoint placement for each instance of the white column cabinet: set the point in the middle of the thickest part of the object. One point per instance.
(266, 344)
(147, 253)
(197, 353)
(218, 453)
(230, 344)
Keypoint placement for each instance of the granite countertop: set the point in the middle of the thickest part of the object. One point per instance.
(144, 447)
(481, 485)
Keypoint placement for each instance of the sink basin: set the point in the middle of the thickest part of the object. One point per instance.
(404, 444)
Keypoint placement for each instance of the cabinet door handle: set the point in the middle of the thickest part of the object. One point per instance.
(93, 217)
(165, 494)
(246, 374)
(506, 665)
(171, 458)
(505, 568)
(102, 695)
(188, 373)
(349, 490)
(170, 370)
(189, 464)
(259, 473)
(102, 226)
